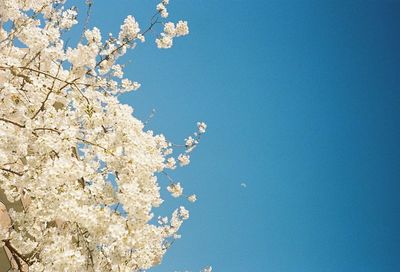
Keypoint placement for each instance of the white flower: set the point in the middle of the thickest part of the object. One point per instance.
(129, 30)
(82, 56)
(165, 41)
(141, 38)
(175, 189)
(162, 220)
(192, 198)
(68, 19)
(183, 213)
(162, 9)
(128, 85)
(182, 28)
(189, 141)
(93, 36)
(171, 163)
(190, 144)
(117, 71)
(202, 127)
(169, 29)
(183, 159)
(164, 13)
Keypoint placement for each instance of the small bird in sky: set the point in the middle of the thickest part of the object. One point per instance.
(244, 185)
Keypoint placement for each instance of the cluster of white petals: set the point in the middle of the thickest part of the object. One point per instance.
(192, 198)
(175, 189)
(162, 8)
(129, 30)
(78, 172)
(170, 32)
(183, 159)
(202, 127)
(191, 142)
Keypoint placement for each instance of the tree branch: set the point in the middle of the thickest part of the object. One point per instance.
(12, 122)
(11, 171)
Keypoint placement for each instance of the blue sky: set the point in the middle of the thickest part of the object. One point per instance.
(302, 103)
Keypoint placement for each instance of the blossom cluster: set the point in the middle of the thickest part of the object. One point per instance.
(175, 188)
(170, 32)
(77, 168)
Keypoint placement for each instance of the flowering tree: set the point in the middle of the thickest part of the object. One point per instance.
(77, 171)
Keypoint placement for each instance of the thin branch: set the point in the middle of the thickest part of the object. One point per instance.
(30, 61)
(11, 171)
(169, 177)
(85, 26)
(49, 129)
(152, 23)
(13, 68)
(94, 144)
(14, 252)
(12, 122)
(79, 90)
(42, 105)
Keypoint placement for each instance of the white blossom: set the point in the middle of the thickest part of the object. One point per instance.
(192, 198)
(117, 71)
(207, 269)
(169, 29)
(189, 142)
(162, 9)
(183, 213)
(93, 36)
(165, 41)
(175, 189)
(170, 32)
(182, 29)
(129, 30)
(128, 85)
(171, 163)
(183, 159)
(202, 127)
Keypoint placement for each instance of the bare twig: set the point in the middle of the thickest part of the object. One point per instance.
(11, 171)
(12, 122)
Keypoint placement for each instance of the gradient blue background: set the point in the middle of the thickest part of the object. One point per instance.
(302, 103)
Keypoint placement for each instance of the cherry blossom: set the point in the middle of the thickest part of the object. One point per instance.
(82, 174)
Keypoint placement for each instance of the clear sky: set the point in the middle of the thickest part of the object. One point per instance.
(302, 102)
